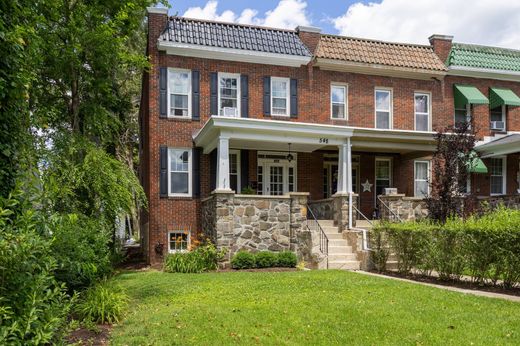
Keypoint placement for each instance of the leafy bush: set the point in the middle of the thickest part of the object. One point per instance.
(380, 248)
(33, 305)
(485, 247)
(243, 260)
(81, 248)
(203, 258)
(266, 259)
(102, 303)
(287, 259)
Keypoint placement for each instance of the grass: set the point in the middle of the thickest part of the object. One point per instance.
(311, 307)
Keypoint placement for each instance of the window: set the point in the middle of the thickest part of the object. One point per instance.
(383, 109)
(421, 178)
(383, 175)
(498, 118)
(229, 94)
(463, 115)
(422, 112)
(179, 241)
(338, 99)
(179, 89)
(180, 172)
(260, 180)
(234, 170)
(280, 96)
(498, 175)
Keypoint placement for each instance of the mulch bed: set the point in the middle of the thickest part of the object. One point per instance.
(85, 336)
(464, 284)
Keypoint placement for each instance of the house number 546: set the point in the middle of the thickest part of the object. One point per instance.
(324, 140)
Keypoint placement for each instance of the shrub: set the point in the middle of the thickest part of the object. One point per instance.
(380, 249)
(266, 259)
(203, 258)
(102, 303)
(287, 259)
(243, 260)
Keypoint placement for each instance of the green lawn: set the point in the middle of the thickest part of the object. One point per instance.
(311, 307)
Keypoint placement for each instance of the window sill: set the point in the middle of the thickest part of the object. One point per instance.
(180, 119)
(179, 198)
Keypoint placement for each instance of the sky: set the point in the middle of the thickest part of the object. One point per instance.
(487, 22)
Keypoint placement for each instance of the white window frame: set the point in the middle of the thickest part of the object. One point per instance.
(173, 70)
(190, 172)
(229, 75)
(504, 112)
(345, 103)
(504, 177)
(429, 114)
(287, 98)
(428, 176)
(382, 158)
(468, 114)
(239, 182)
(188, 245)
(391, 107)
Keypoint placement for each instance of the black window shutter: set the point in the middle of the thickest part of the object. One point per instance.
(213, 91)
(244, 96)
(294, 98)
(163, 180)
(267, 96)
(244, 169)
(196, 171)
(195, 95)
(213, 170)
(163, 91)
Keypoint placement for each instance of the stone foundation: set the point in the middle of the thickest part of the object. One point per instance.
(341, 210)
(407, 208)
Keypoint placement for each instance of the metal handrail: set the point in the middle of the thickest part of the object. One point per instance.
(388, 208)
(324, 240)
(363, 231)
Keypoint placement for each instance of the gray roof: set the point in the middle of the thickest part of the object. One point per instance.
(234, 36)
(508, 139)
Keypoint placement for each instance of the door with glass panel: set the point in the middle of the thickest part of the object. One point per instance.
(383, 177)
(275, 184)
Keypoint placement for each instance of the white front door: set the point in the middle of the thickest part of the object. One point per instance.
(276, 175)
(275, 180)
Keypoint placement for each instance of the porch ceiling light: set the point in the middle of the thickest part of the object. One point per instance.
(290, 157)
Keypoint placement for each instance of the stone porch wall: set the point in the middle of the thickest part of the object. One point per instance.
(508, 201)
(256, 223)
(407, 208)
(323, 209)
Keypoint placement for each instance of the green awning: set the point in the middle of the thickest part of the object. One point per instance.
(465, 94)
(499, 97)
(475, 165)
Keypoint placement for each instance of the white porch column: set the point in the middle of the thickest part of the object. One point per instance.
(345, 168)
(349, 166)
(223, 164)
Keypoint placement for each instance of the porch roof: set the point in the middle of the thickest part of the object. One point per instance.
(263, 134)
(504, 145)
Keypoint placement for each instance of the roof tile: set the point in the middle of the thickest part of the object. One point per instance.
(495, 58)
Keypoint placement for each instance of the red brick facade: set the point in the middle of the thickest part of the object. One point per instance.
(314, 107)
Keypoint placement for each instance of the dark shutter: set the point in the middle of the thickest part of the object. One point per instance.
(196, 156)
(244, 96)
(213, 92)
(244, 169)
(267, 96)
(294, 98)
(163, 180)
(213, 170)
(163, 91)
(195, 95)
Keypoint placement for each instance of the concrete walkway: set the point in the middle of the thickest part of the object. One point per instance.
(449, 288)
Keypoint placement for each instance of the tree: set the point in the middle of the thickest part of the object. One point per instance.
(451, 164)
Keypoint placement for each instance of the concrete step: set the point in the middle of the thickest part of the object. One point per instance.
(365, 224)
(343, 249)
(334, 236)
(337, 242)
(349, 257)
(328, 223)
(391, 265)
(347, 265)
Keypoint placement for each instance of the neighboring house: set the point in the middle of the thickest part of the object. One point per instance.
(299, 119)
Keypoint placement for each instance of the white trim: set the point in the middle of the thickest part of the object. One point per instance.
(266, 163)
(188, 242)
(504, 176)
(228, 75)
(239, 172)
(504, 117)
(475, 72)
(287, 97)
(230, 54)
(429, 114)
(468, 114)
(345, 102)
(428, 176)
(190, 172)
(391, 175)
(178, 70)
(390, 110)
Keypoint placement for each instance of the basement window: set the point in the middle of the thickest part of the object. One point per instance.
(178, 241)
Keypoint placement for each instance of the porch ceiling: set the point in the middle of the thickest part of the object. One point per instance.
(507, 144)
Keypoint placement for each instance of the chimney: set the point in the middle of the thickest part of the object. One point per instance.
(310, 36)
(157, 21)
(441, 45)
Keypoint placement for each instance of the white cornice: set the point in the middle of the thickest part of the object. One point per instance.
(242, 55)
(378, 69)
(474, 72)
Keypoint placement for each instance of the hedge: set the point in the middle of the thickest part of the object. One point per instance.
(487, 247)
(263, 259)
